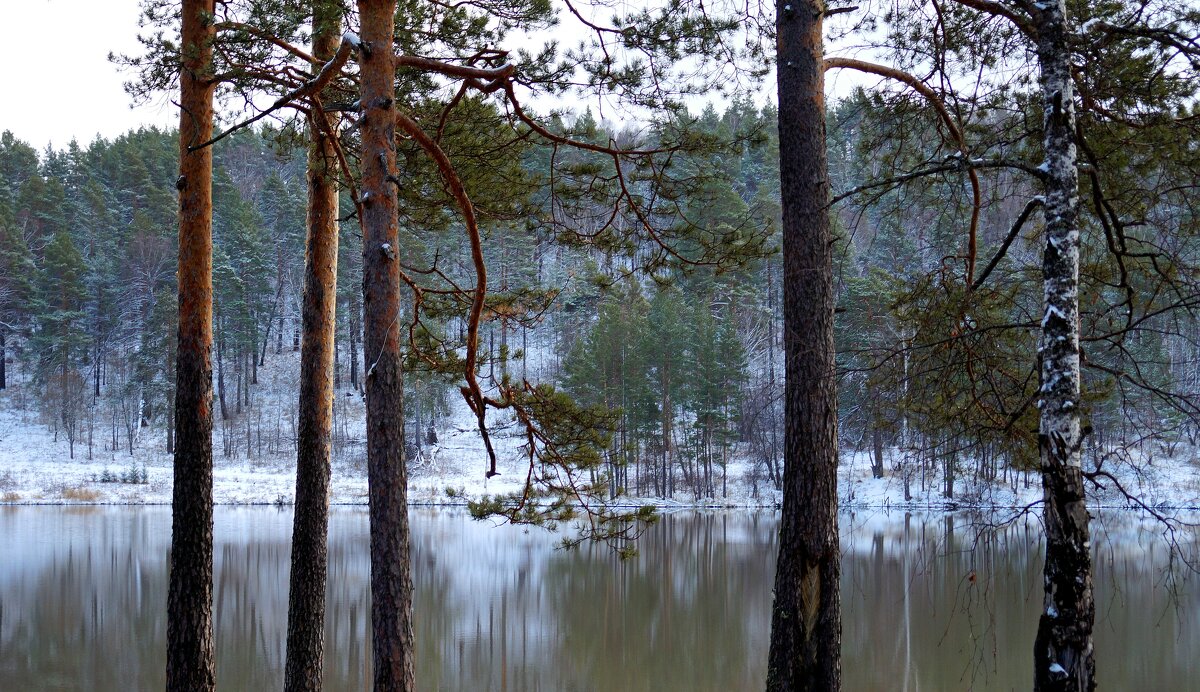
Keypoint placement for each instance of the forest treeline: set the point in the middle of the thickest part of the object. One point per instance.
(687, 357)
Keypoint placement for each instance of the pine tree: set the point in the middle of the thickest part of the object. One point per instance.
(190, 664)
(310, 551)
(666, 345)
(806, 616)
(387, 477)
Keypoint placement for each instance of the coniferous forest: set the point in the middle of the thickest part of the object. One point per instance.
(571, 266)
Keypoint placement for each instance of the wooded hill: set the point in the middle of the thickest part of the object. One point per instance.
(685, 355)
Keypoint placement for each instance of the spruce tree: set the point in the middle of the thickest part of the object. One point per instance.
(59, 339)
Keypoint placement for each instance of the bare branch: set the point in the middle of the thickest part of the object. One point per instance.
(1032, 205)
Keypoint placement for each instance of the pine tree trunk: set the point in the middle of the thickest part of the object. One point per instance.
(353, 353)
(1063, 655)
(237, 391)
(310, 551)
(337, 363)
(806, 616)
(190, 664)
(387, 478)
(221, 375)
(3, 358)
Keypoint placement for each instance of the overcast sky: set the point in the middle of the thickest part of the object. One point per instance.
(58, 84)
(56, 80)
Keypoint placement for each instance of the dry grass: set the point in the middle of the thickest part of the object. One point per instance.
(80, 494)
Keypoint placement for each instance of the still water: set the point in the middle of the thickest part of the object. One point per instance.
(931, 602)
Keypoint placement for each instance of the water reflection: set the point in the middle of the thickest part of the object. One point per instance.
(931, 602)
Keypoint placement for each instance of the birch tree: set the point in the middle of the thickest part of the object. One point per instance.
(1079, 50)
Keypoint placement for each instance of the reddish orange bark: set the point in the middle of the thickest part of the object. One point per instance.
(190, 664)
(387, 478)
(310, 550)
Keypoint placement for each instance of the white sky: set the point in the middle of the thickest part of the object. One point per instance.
(57, 83)
(56, 80)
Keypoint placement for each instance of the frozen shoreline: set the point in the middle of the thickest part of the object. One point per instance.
(35, 469)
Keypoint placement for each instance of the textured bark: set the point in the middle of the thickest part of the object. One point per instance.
(190, 664)
(806, 615)
(310, 549)
(1063, 655)
(391, 580)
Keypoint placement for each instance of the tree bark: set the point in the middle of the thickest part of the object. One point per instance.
(310, 550)
(806, 615)
(1063, 654)
(391, 580)
(190, 664)
(877, 450)
(221, 375)
(353, 352)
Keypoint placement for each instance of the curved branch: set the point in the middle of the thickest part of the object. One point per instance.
(955, 131)
(999, 9)
(895, 180)
(560, 139)
(472, 391)
(268, 37)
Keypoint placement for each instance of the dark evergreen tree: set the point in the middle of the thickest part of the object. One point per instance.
(59, 338)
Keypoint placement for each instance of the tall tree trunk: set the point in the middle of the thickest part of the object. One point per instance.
(806, 616)
(773, 458)
(276, 307)
(1063, 655)
(387, 478)
(3, 357)
(310, 552)
(190, 664)
(353, 353)
(221, 374)
(337, 363)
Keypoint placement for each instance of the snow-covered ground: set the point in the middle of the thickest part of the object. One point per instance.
(36, 468)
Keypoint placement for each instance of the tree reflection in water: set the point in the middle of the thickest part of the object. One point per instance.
(930, 602)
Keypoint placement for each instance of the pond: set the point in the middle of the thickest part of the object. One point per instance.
(931, 602)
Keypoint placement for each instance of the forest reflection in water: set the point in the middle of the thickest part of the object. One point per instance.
(931, 601)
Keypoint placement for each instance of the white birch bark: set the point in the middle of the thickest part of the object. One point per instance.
(1063, 651)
